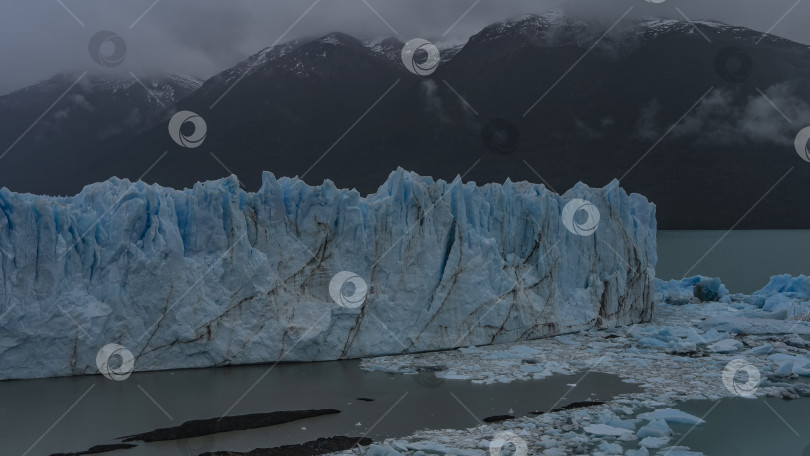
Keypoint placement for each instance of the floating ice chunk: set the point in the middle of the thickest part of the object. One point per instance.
(567, 340)
(777, 303)
(377, 450)
(789, 364)
(652, 342)
(763, 349)
(710, 336)
(684, 291)
(671, 415)
(756, 313)
(533, 368)
(523, 350)
(629, 437)
(710, 290)
(430, 447)
(691, 336)
(505, 354)
(402, 445)
(452, 375)
(654, 442)
(757, 301)
(726, 346)
(676, 288)
(655, 428)
(798, 287)
(630, 425)
(756, 325)
(681, 346)
(605, 430)
(640, 452)
(554, 452)
(611, 448)
(785, 369)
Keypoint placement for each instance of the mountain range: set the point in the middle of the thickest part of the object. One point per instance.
(700, 117)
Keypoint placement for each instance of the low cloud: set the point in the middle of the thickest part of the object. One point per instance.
(725, 120)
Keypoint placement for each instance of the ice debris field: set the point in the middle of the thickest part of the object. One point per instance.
(681, 354)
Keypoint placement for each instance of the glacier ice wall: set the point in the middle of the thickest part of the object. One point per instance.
(214, 275)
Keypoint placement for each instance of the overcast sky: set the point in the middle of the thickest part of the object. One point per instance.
(202, 37)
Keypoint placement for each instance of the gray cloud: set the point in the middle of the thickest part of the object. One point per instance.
(721, 120)
(201, 37)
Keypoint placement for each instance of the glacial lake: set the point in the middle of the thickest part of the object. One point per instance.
(748, 427)
(744, 260)
(401, 405)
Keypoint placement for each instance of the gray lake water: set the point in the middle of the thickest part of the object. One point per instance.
(748, 427)
(401, 405)
(744, 260)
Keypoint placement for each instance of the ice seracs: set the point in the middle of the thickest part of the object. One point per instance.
(214, 275)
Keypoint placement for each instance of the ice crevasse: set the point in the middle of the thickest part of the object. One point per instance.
(214, 275)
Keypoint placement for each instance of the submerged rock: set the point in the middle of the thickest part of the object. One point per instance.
(198, 428)
(496, 418)
(97, 449)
